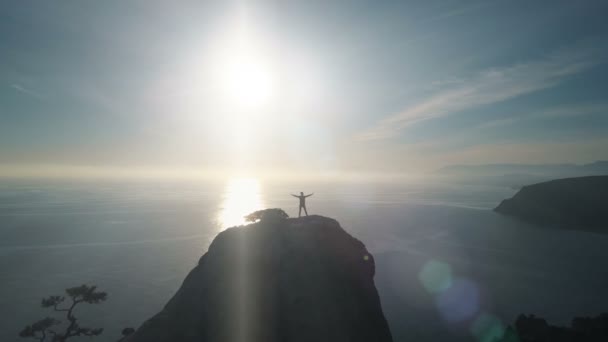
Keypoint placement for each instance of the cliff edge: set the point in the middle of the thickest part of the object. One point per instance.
(578, 203)
(299, 279)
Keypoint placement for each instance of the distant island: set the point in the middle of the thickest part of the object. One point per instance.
(279, 279)
(574, 203)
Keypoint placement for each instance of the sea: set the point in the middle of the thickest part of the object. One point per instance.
(448, 268)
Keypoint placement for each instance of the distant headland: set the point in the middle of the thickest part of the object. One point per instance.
(575, 203)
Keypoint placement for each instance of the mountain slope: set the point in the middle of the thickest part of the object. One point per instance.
(302, 279)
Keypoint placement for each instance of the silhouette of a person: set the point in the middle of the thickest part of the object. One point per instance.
(302, 198)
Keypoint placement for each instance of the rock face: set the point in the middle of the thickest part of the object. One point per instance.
(571, 202)
(302, 279)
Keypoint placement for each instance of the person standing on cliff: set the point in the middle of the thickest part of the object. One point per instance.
(302, 198)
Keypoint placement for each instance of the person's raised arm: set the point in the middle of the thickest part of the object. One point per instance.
(309, 195)
(294, 195)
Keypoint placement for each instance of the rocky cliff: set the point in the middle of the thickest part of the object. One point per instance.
(571, 202)
(302, 279)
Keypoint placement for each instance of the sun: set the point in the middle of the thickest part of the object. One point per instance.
(244, 65)
(247, 81)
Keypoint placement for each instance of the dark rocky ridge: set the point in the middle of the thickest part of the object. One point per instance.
(302, 279)
(535, 329)
(578, 203)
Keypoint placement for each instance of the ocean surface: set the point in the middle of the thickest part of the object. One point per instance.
(448, 268)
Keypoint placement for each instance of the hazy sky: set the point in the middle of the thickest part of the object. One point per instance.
(289, 86)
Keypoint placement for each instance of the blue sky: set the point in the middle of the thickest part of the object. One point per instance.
(358, 86)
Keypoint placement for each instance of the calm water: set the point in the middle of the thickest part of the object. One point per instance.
(445, 261)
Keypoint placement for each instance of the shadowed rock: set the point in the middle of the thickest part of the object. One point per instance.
(302, 279)
(535, 329)
(570, 202)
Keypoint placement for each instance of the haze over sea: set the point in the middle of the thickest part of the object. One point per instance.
(444, 259)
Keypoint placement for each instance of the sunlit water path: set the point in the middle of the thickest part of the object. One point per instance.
(241, 197)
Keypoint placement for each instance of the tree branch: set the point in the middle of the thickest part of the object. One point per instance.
(72, 326)
(56, 308)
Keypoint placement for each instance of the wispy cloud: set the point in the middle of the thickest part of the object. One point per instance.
(550, 113)
(461, 10)
(467, 139)
(22, 89)
(485, 88)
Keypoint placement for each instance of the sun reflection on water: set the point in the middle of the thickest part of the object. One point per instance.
(241, 197)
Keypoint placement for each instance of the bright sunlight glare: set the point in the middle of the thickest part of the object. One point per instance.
(244, 71)
(247, 81)
(242, 196)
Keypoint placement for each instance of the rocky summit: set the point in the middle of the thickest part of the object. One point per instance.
(299, 279)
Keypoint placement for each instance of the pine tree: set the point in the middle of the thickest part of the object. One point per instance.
(54, 330)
